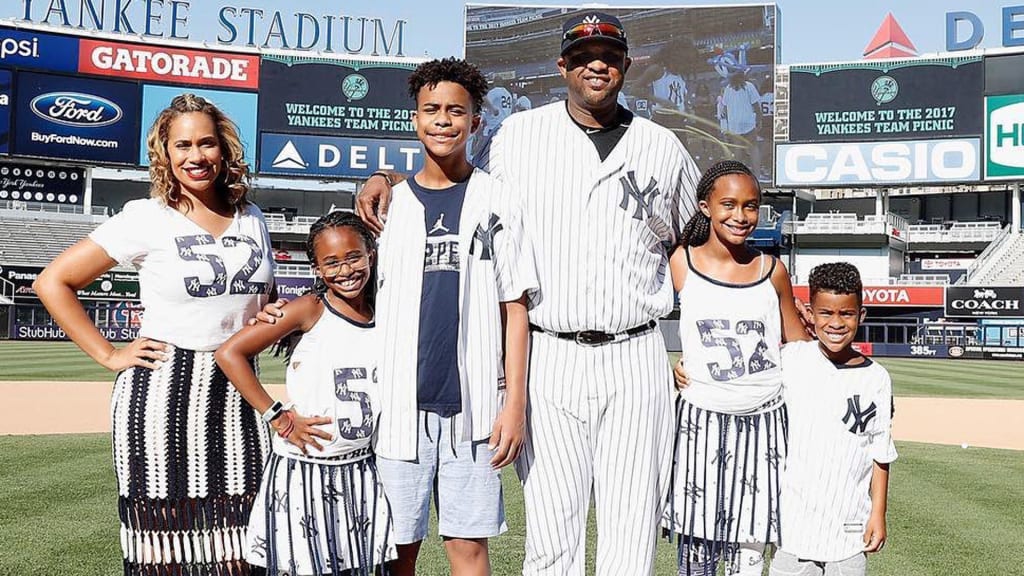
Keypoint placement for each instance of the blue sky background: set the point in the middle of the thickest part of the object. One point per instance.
(812, 30)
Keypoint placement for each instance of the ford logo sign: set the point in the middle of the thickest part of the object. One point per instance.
(75, 109)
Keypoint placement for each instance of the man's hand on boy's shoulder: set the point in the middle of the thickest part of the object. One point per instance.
(374, 199)
(270, 312)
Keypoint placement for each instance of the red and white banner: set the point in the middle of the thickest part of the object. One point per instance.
(925, 296)
(172, 65)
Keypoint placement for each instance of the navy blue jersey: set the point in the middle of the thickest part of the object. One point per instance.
(437, 376)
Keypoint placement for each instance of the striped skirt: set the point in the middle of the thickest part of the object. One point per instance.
(188, 455)
(725, 479)
(320, 518)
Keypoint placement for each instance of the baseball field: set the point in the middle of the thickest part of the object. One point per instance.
(953, 510)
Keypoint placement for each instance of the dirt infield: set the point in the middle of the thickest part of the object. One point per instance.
(78, 407)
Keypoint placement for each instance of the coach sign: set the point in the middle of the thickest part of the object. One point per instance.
(901, 100)
(985, 301)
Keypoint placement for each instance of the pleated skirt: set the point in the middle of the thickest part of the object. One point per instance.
(725, 479)
(188, 454)
(320, 518)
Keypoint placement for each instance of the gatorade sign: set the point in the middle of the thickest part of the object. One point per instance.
(1004, 135)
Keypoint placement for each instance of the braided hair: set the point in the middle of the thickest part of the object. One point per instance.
(340, 219)
(698, 229)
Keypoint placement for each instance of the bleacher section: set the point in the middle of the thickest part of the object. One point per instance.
(842, 223)
(957, 232)
(1001, 264)
(36, 238)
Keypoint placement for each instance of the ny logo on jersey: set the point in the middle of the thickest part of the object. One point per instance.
(279, 501)
(860, 417)
(308, 525)
(644, 198)
(486, 237)
(259, 546)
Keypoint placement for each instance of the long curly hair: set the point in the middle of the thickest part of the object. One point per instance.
(698, 228)
(234, 180)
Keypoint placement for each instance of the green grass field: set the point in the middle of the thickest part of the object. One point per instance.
(911, 377)
(952, 512)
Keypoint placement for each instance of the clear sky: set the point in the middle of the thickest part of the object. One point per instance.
(812, 30)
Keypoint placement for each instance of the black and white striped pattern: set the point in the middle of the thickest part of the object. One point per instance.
(312, 518)
(599, 418)
(188, 455)
(725, 488)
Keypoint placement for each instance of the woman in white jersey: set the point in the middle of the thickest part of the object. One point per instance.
(321, 508)
(188, 451)
(736, 308)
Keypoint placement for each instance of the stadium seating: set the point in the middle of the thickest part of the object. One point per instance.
(958, 232)
(35, 238)
(1001, 264)
(848, 223)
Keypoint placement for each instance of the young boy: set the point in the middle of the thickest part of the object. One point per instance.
(453, 264)
(840, 444)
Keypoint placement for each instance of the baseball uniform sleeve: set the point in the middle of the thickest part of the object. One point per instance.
(124, 236)
(489, 158)
(515, 266)
(686, 192)
(755, 98)
(883, 450)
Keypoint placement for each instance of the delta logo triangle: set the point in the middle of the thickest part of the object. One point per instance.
(289, 158)
(890, 41)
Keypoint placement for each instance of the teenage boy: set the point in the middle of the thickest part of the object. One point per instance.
(453, 265)
(840, 442)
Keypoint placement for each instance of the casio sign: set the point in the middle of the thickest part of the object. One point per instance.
(74, 109)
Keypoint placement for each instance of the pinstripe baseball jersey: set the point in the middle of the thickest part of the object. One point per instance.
(496, 265)
(731, 335)
(332, 372)
(599, 229)
(840, 422)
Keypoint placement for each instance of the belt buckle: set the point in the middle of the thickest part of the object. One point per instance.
(593, 338)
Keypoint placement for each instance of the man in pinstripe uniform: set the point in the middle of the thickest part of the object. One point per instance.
(604, 196)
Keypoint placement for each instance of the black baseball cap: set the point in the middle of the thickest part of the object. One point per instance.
(591, 25)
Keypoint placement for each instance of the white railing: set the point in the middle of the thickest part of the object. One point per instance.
(297, 225)
(958, 232)
(923, 279)
(6, 291)
(842, 223)
(294, 270)
(987, 256)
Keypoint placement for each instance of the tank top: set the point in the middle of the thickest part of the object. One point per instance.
(333, 372)
(731, 338)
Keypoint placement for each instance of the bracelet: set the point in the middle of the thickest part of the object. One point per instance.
(273, 412)
(385, 175)
(289, 427)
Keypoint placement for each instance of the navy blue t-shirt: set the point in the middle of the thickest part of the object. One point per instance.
(437, 374)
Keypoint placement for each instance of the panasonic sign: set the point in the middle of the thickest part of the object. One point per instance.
(864, 163)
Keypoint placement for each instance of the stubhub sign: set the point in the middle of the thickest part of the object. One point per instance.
(856, 163)
(301, 155)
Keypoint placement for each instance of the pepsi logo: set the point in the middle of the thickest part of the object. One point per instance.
(76, 109)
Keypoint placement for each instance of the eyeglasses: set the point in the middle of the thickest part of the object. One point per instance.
(587, 29)
(354, 263)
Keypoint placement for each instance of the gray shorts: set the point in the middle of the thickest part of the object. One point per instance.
(467, 491)
(786, 564)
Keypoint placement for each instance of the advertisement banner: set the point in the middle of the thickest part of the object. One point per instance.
(869, 163)
(38, 183)
(911, 350)
(116, 333)
(946, 263)
(984, 302)
(911, 296)
(6, 98)
(76, 118)
(901, 100)
(290, 287)
(987, 352)
(111, 285)
(1004, 137)
(295, 155)
(239, 106)
(343, 98)
(704, 72)
(170, 65)
(28, 49)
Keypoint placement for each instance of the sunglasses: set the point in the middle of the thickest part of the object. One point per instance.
(587, 29)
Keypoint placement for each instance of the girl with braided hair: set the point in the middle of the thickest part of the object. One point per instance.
(736, 309)
(321, 508)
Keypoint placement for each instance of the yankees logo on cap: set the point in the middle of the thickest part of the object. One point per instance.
(592, 25)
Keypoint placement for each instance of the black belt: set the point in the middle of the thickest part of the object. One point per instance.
(595, 337)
